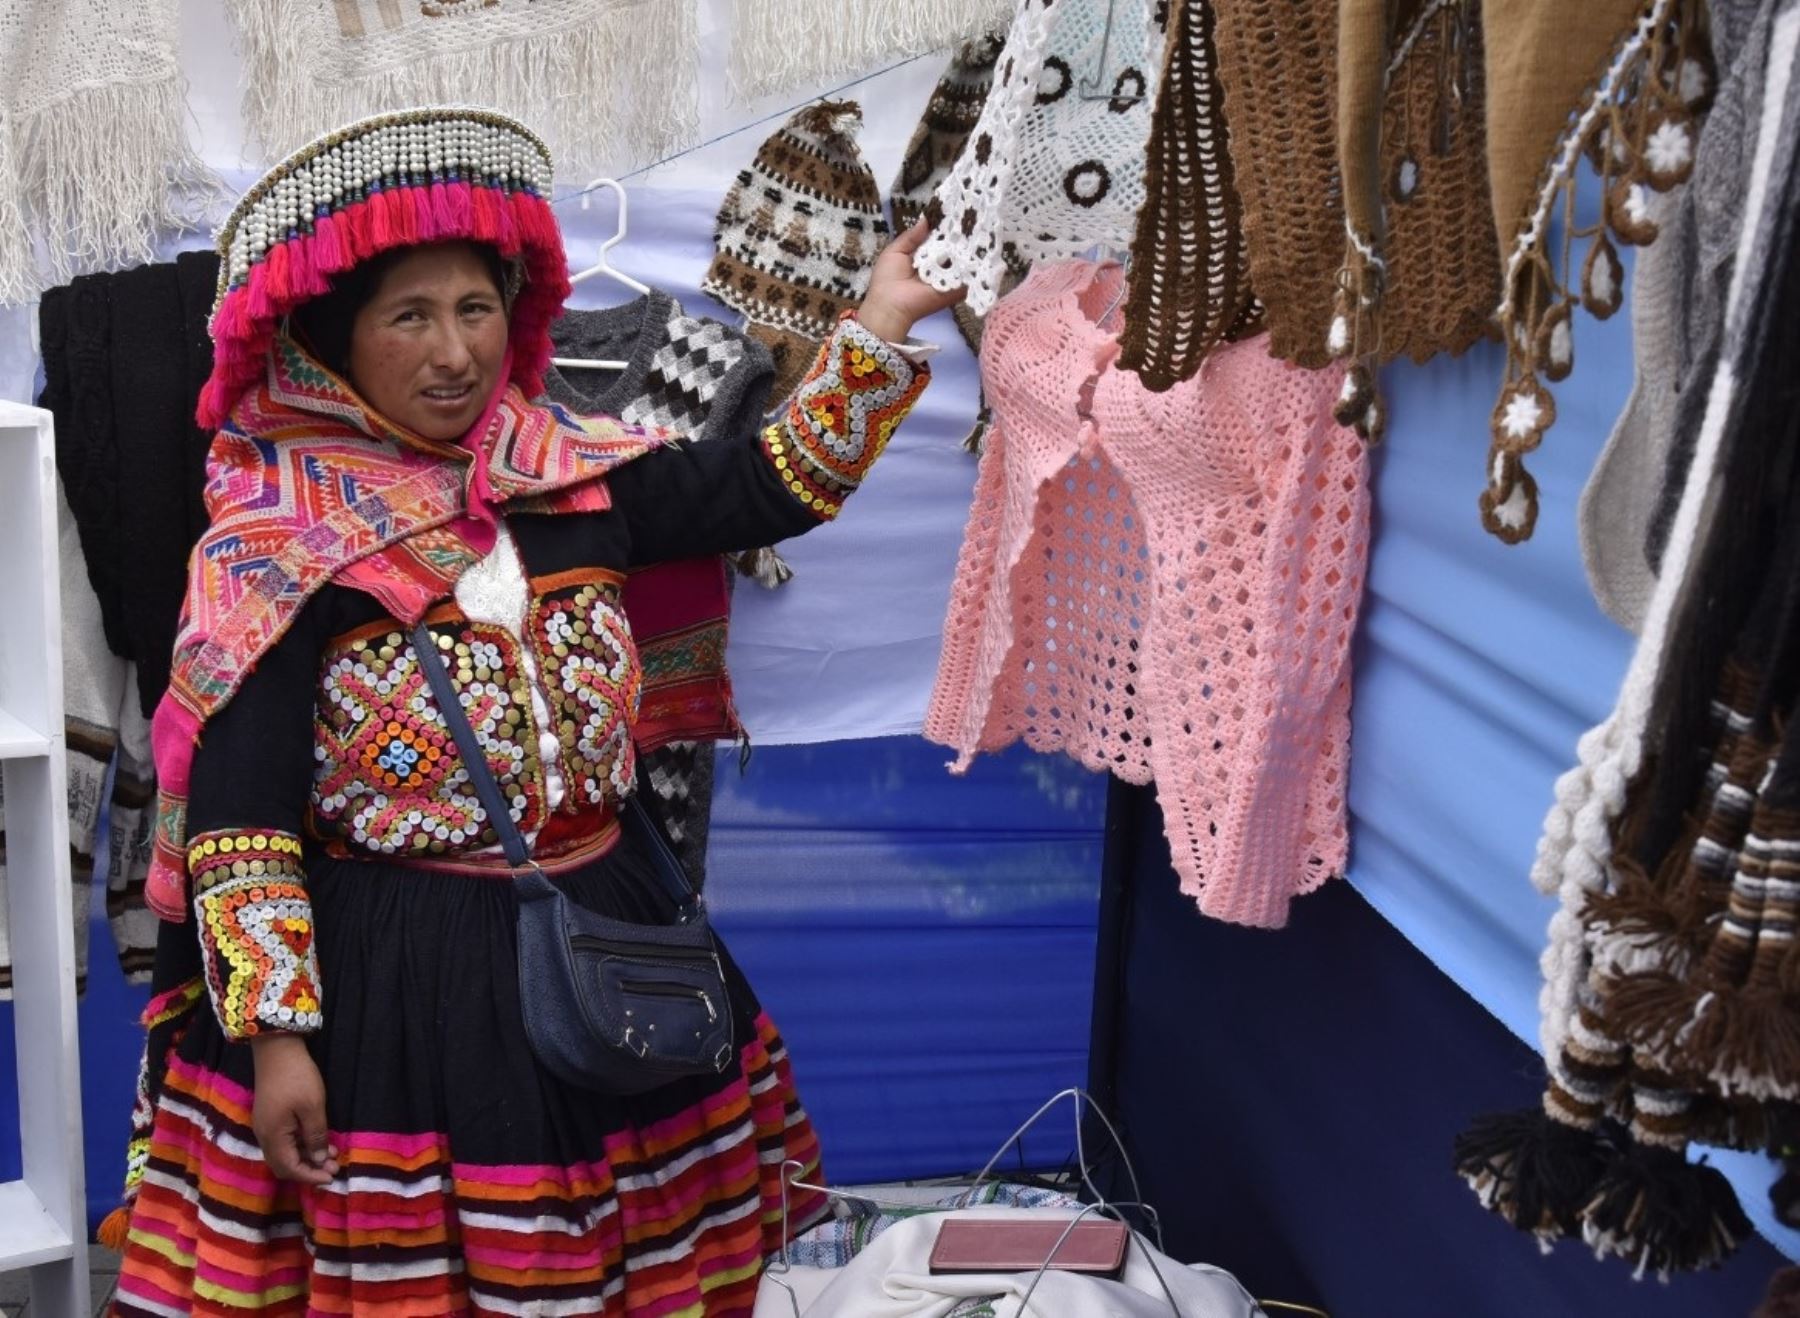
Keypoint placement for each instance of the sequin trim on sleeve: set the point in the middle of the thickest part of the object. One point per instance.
(842, 416)
(255, 926)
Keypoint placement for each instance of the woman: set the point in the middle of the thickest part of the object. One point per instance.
(340, 1110)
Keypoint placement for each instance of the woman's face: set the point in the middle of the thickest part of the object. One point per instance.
(427, 348)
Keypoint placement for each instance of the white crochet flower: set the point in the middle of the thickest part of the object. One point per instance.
(1524, 415)
(1668, 152)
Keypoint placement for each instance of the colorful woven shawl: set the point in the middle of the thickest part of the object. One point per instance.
(308, 484)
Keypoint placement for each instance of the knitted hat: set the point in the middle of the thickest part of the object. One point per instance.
(1056, 164)
(394, 180)
(797, 236)
(1189, 280)
(1620, 83)
(1420, 274)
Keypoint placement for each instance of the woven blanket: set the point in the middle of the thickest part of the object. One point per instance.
(602, 81)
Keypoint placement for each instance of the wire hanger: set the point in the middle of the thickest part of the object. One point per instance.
(602, 266)
(1092, 86)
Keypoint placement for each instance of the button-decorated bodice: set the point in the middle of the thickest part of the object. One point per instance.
(552, 700)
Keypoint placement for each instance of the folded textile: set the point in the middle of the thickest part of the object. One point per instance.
(891, 1278)
(124, 357)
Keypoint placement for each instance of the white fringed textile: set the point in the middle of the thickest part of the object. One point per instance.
(782, 44)
(606, 83)
(94, 154)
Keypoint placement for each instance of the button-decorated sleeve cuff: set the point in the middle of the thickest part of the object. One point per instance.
(256, 935)
(841, 417)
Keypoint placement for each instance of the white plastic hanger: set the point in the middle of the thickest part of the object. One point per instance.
(602, 266)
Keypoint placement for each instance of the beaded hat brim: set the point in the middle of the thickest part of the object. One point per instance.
(393, 180)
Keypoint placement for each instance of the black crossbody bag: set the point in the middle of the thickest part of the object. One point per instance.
(608, 1004)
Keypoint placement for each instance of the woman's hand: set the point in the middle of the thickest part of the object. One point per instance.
(288, 1114)
(897, 298)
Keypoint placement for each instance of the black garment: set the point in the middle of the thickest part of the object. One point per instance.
(125, 356)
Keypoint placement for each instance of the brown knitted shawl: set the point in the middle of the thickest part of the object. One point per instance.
(1189, 281)
(1420, 273)
(1279, 78)
(1620, 82)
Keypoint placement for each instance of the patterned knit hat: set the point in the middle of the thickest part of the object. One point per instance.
(394, 180)
(1056, 164)
(797, 236)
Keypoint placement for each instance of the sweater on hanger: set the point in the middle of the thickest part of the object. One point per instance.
(1164, 586)
(705, 380)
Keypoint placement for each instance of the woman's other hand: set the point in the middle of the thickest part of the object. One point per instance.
(288, 1114)
(897, 298)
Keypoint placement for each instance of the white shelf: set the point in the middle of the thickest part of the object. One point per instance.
(28, 1235)
(18, 741)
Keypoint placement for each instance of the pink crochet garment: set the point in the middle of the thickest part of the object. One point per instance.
(1164, 586)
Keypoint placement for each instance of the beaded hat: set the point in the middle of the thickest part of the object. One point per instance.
(392, 180)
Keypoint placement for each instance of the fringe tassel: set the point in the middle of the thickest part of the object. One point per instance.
(765, 567)
(114, 1230)
(103, 172)
(1665, 1214)
(976, 440)
(1535, 1172)
(769, 54)
(573, 81)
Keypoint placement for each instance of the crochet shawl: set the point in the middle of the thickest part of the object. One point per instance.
(1056, 164)
(1420, 271)
(1620, 83)
(1189, 282)
(94, 154)
(778, 45)
(1677, 316)
(307, 485)
(606, 81)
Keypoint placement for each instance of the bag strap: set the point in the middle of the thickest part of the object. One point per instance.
(668, 868)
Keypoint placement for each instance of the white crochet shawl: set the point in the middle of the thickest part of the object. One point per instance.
(1055, 166)
(94, 154)
(603, 81)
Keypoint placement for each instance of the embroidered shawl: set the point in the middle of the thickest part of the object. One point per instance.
(307, 484)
